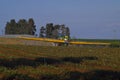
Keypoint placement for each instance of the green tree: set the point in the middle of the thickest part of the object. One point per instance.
(55, 31)
(49, 30)
(31, 27)
(42, 31)
(7, 28)
(10, 27)
(68, 32)
(21, 27)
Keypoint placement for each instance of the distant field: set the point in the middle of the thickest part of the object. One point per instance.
(19, 41)
(98, 40)
(114, 42)
(34, 62)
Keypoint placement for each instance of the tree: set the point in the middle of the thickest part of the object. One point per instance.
(21, 27)
(49, 30)
(63, 30)
(55, 31)
(68, 32)
(7, 28)
(42, 32)
(31, 27)
(10, 27)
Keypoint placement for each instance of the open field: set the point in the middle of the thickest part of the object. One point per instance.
(31, 62)
(113, 42)
(18, 41)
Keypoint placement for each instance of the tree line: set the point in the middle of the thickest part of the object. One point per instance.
(21, 27)
(28, 27)
(54, 31)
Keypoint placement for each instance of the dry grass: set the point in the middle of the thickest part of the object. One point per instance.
(18, 41)
(28, 62)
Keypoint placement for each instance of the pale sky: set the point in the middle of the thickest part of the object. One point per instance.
(98, 19)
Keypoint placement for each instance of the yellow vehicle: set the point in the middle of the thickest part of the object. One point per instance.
(66, 41)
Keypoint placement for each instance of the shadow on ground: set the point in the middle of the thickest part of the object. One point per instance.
(13, 63)
(72, 75)
(93, 75)
(78, 59)
(17, 77)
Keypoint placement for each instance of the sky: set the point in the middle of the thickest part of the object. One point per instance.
(89, 19)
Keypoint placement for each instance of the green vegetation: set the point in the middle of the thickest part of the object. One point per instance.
(54, 31)
(29, 28)
(21, 27)
(97, 40)
(114, 43)
(23, 62)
